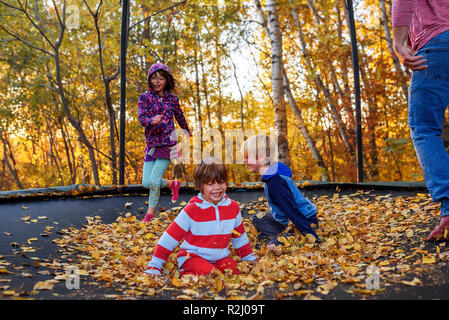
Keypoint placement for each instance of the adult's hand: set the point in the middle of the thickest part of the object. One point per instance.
(440, 231)
(404, 53)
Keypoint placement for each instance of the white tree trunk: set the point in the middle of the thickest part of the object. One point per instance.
(280, 111)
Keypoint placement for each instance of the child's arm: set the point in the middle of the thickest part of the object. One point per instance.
(179, 116)
(168, 242)
(240, 241)
(144, 112)
(282, 197)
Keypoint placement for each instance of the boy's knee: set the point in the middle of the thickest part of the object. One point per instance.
(267, 225)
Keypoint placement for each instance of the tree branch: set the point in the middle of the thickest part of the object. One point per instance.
(23, 40)
(156, 13)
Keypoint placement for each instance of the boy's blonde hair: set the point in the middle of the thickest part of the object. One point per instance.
(258, 146)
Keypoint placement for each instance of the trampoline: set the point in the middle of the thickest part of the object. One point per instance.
(31, 221)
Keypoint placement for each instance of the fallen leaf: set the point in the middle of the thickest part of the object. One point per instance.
(428, 259)
(128, 205)
(8, 293)
(414, 282)
(30, 240)
(44, 285)
(175, 281)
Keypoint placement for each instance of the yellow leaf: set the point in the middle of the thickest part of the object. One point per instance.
(95, 255)
(148, 236)
(365, 291)
(218, 285)
(284, 241)
(238, 234)
(44, 285)
(428, 259)
(384, 263)
(310, 280)
(170, 266)
(301, 292)
(421, 195)
(135, 250)
(414, 282)
(331, 242)
(357, 246)
(142, 261)
(251, 211)
(30, 240)
(4, 271)
(8, 293)
(25, 208)
(106, 276)
(349, 237)
(175, 281)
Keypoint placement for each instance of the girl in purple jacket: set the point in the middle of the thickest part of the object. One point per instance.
(156, 109)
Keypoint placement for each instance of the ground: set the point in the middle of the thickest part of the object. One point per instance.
(373, 247)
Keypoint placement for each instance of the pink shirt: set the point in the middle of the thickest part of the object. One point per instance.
(426, 18)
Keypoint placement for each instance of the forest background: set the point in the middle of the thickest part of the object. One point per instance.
(239, 65)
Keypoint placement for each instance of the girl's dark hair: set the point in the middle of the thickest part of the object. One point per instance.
(209, 170)
(170, 81)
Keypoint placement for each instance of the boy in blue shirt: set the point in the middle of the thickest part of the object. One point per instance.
(285, 201)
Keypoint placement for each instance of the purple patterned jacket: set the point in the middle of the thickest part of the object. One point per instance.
(150, 105)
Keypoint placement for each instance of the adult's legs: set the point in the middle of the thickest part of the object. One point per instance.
(428, 101)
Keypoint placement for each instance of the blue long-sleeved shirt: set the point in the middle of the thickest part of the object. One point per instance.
(285, 200)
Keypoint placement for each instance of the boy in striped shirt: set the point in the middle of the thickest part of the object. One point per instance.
(207, 224)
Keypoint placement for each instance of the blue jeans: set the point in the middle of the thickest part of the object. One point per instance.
(428, 101)
(152, 179)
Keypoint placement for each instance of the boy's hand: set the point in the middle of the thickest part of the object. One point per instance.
(153, 273)
(130, 261)
(276, 249)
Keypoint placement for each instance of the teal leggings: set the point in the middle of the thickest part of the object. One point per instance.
(152, 179)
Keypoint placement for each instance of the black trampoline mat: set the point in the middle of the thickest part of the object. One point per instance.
(35, 224)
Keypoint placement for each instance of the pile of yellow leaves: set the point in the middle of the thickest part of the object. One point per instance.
(358, 232)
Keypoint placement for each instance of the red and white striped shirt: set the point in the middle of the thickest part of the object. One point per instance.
(206, 229)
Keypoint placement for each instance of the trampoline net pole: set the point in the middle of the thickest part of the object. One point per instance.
(123, 49)
(358, 113)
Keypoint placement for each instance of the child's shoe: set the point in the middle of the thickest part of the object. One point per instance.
(175, 184)
(148, 217)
